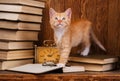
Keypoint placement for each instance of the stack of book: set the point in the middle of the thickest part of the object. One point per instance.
(94, 62)
(19, 27)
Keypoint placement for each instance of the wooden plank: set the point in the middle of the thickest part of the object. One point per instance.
(102, 22)
(113, 25)
(82, 76)
(91, 15)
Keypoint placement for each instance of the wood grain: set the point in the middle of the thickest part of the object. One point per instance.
(104, 14)
(81, 76)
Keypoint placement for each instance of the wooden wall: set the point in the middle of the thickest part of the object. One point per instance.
(105, 15)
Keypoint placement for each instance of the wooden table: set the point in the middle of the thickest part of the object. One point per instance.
(81, 76)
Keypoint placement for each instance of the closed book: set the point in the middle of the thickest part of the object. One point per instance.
(78, 68)
(20, 17)
(95, 59)
(6, 64)
(95, 67)
(16, 54)
(24, 2)
(11, 45)
(18, 35)
(19, 25)
(20, 9)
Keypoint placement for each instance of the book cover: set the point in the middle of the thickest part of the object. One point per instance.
(77, 68)
(25, 2)
(16, 54)
(6, 64)
(20, 9)
(20, 17)
(18, 35)
(95, 59)
(95, 67)
(19, 25)
(34, 68)
(11, 45)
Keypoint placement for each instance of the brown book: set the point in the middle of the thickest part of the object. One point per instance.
(25, 2)
(95, 67)
(95, 59)
(16, 54)
(19, 25)
(10, 45)
(20, 17)
(18, 35)
(20, 9)
(6, 64)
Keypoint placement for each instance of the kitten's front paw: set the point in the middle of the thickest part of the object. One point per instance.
(84, 53)
(61, 65)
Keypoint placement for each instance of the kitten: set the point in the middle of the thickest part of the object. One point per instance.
(68, 35)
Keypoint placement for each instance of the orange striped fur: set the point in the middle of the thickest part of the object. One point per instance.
(68, 35)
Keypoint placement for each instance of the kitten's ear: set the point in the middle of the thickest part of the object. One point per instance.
(51, 12)
(68, 12)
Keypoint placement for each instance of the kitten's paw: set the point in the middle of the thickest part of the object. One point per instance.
(84, 53)
(61, 65)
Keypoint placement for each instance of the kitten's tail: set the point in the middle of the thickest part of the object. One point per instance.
(97, 41)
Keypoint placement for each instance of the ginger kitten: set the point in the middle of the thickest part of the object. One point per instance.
(68, 35)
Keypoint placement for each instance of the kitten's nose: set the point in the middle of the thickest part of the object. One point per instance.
(59, 21)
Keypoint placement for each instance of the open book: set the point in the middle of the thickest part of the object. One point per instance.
(39, 68)
(34, 68)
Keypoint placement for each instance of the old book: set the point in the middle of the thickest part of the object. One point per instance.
(95, 67)
(5, 64)
(16, 54)
(20, 9)
(10, 45)
(20, 17)
(19, 25)
(96, 59)
(68, 69)
(18, 35)
(24, 2)
(34, 68)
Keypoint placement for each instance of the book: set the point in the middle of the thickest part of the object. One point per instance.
(20, 9)
(16, 54)
(34, 68)
(19, 25)
(18, 35)
(20, 17)
(32, 3)
(5, 64)
(11, 45)
(95, 59)
(95, 67)
(68, 69)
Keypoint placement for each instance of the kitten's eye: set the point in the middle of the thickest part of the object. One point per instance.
(63, 18)
(56, 18)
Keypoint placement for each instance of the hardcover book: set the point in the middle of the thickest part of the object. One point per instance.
(5, 64)
(20, 9)
(95, 67)
(18, 35)
(16, 54)
(95, 59)
(20, 17)
(24, 2)
(19, 25)
(10, 45)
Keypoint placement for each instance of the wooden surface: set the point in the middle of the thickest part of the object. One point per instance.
(105, 15)
(81, 76)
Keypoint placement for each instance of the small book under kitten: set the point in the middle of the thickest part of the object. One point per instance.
(68, 35)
